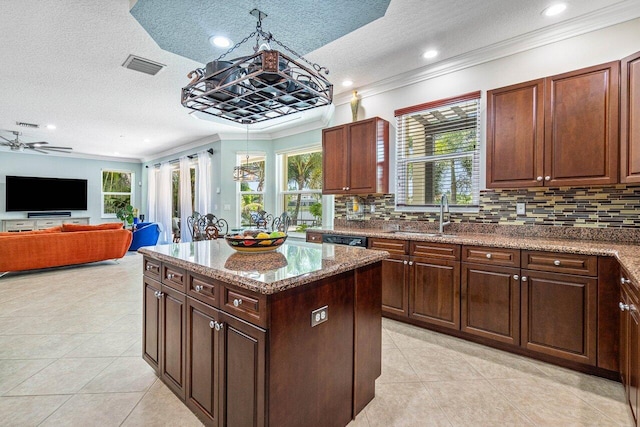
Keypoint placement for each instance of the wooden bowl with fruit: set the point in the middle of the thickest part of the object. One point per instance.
(256, 240)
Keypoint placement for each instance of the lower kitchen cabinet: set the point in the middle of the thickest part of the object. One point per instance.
(151, 323)
(630, 344)
(491, 302)
(434, 291)
(395, 276)
(559, 315)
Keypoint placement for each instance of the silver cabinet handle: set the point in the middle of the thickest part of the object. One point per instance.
(219, 326)
(199, 288)
(148, 267)
(237, 302)
(524, 278)
(623, 306)
(547, 178)
(212, 324)
(624, 281)
(170, 276)
(556, 262)
(405, 262)
(516, 277)
(410, 262)
(156, 294)
(539, 179)
(488, 256)
(159, 295)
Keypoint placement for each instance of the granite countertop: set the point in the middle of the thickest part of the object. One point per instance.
(292, 264)
(627, 254)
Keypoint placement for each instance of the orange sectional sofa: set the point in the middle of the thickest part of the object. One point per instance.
(66, 245)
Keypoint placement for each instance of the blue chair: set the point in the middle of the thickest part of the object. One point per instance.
(145, 234)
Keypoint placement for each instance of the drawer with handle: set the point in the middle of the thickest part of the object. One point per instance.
(151, 268)
(173, 277)
(245, 305)
(494, 256)
(204, 289)
(585, 265)
(392, 246)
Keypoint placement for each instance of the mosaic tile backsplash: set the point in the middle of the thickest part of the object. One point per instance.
(593, 207)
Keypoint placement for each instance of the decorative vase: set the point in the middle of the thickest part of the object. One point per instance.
(355, 104)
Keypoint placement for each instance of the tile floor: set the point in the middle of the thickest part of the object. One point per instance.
(70, 356)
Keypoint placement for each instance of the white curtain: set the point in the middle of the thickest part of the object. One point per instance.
(186, 202)
(163, 213)
(151, 195)
(203, 183)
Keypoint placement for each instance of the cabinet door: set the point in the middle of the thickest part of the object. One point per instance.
(242, 364)
(395, 299)
(634, 359)
(630, 119)
(490, 302)
(203, 372)
(434, 292)
(173, 341)
(515, 135)
(581, 126)
(151, 323)
(559, 315)
(362, 156)
(624, 344)
(335, 160)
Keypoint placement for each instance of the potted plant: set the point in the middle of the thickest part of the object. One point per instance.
(125, 214)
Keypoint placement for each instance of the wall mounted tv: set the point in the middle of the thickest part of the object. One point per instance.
(28, 193)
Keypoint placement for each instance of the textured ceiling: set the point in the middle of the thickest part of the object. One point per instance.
(62, 60)
(184, 27)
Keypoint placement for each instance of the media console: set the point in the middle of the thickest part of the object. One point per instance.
(29, 224)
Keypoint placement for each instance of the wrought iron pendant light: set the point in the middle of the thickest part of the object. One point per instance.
(247, 172)
(258, 87)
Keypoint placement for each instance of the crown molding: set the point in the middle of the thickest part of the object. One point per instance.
(602, 18)
(76, 155)
(210, 139)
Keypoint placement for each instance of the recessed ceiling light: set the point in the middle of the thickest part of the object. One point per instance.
(220, 41)
(347, 83)
(146, 140)
(554, 9)
(430, 54)
(52, 127)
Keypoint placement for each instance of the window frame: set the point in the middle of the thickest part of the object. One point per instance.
(103, 193)
(402, 160)
(240, 158)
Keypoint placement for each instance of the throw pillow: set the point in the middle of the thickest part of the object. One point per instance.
(84, 227)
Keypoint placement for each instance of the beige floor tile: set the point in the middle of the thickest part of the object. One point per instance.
(474, 402)
(100, 410)
(127, 324)
(160, 407)
(39, 346)
(124, 375)
(439, 365)
(409, 336)
(360, 421)
(64, 376)
(404, 404)
(387, 342)
(495, 364)
(13, 372)
(546, 402)
(104, 345)
(28, 410)
(396, 368)
(134, 351)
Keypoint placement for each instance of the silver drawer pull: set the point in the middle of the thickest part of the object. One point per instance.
(624, 281)
(237, 302)
(547, 178)
(556, 262)
(219, 326)
(524, 278)
(199, 288)
(488, 256)
(212, 324)
(405, 262)
(623, 306)
(148, 267)
(539, 179)
(156, 294)
(170, 276)
(516, 277)
(159, 295)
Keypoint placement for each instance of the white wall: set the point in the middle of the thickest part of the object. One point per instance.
(52, 166)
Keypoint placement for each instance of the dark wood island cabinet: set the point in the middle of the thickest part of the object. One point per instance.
(285, 338)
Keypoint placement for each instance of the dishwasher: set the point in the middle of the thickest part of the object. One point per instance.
(343, 239)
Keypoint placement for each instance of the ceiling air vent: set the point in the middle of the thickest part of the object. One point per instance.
(28, 125)
(143, 65)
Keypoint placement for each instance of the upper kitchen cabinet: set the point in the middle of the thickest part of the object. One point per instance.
(355, 158)
(630, 119)
(557, 131)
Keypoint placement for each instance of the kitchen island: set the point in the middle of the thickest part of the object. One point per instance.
(284, 338)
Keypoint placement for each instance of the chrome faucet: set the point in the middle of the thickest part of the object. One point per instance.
(444, 207)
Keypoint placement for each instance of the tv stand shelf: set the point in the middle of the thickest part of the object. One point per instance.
(29, 224)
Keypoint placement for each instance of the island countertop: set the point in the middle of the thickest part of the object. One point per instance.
(292, 264)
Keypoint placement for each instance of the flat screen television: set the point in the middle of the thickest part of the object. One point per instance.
(28, 193)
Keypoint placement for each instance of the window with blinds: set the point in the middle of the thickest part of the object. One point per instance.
(438, 152)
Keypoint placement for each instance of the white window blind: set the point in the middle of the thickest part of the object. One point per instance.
(438, 152)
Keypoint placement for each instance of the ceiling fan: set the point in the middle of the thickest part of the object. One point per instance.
(40, 147)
